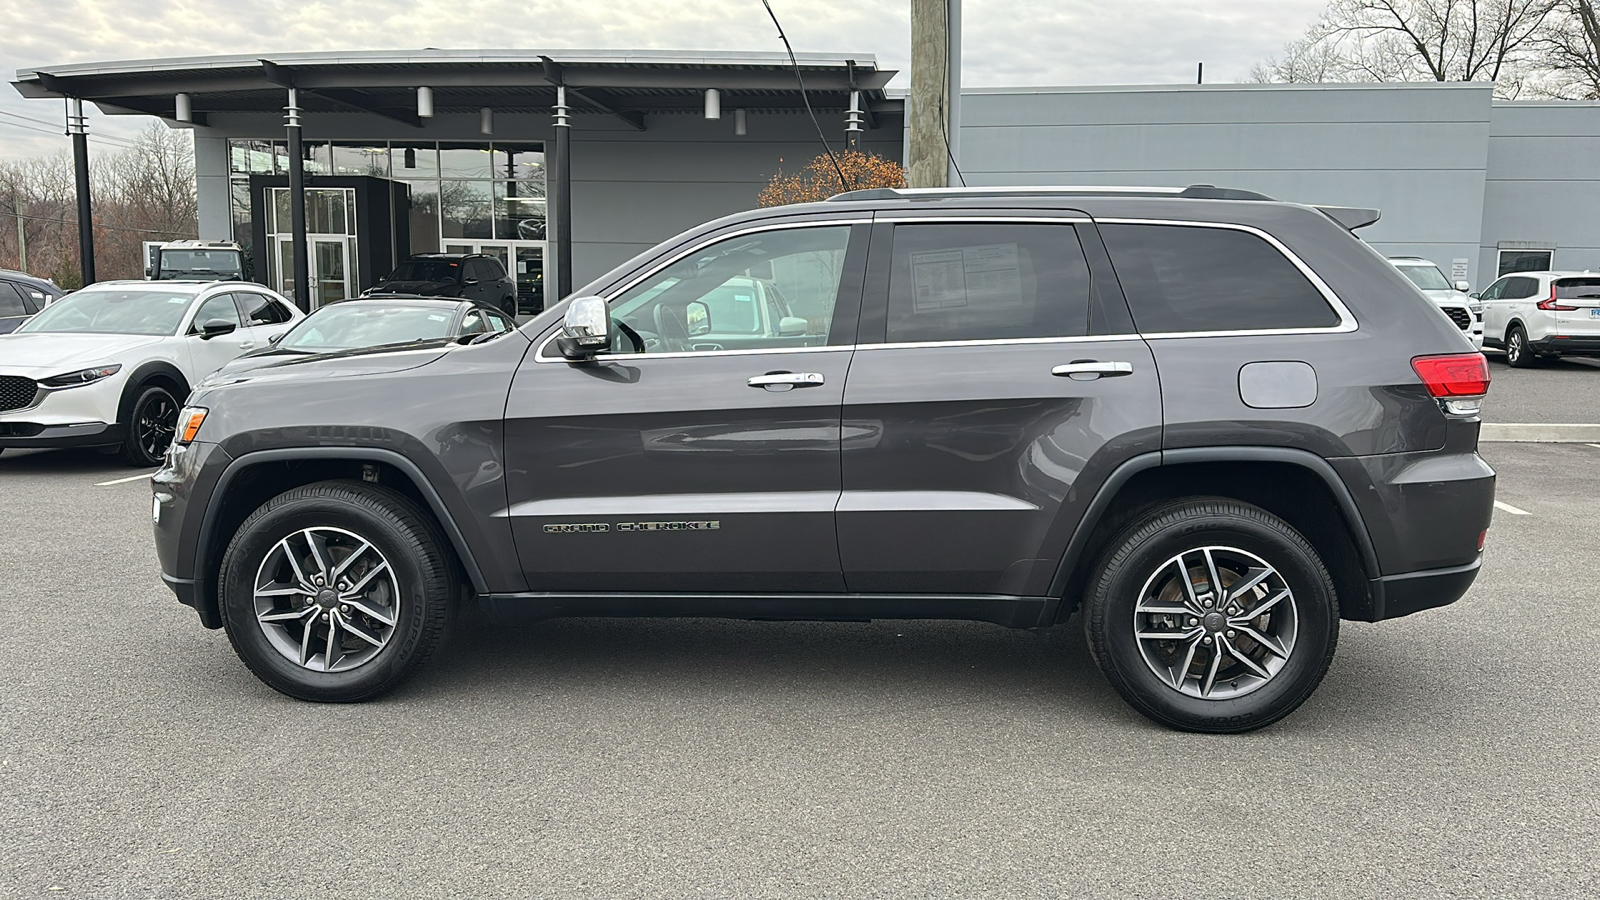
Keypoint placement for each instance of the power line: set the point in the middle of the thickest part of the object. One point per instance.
(844, 185)
(97, 225)
(121, 143)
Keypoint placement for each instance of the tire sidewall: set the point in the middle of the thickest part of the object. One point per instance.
(259, 534)
(1118, 589)
(133, 447)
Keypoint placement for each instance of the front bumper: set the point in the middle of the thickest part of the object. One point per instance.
(183, 488)
(24, 435)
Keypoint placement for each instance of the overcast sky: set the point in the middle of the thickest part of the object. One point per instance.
(1006, 42)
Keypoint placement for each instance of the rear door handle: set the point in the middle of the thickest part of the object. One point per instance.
(785, 380)
(1088, 369)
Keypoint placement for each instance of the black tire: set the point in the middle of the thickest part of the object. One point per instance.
(423, 588)
(151, 423)
(1144, 552)
(1518, 356)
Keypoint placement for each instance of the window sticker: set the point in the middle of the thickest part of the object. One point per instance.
(987, 276)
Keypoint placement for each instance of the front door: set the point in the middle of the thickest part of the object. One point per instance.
(1006, 388)
(330, 271)
(664, 468)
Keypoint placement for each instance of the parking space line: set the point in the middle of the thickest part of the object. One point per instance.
(122, 480)
(1596, 446)
(1511, 509)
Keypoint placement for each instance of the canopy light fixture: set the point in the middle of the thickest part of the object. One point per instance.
(713, 104)
(740, 122)
(486, 120)
(181, 108)
(424, 102)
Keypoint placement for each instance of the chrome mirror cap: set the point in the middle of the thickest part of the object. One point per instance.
(586, 328)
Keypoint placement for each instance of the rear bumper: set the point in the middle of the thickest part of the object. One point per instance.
(83, 434)
(1587, 345)
(1394, 596)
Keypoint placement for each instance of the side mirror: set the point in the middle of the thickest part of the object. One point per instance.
(791, 326)
(697, 318)
(275, 338)
(1475, 295)
(1462, 286)
(586, 328)
(215, 328)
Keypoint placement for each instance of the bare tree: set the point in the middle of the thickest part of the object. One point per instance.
(1569, 52)
(1417, 40)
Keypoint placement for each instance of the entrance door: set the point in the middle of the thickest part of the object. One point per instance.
(683, 470)
(330, 280)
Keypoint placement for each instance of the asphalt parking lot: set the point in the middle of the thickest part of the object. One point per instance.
(1558, 391)
(1447, 754)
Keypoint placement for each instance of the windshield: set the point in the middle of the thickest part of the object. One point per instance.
(425, 270)
(113, 311)
(1429, 278)
(352, 325)
(176, 263)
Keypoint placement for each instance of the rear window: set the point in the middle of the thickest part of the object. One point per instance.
(425, 270)
(1184, 278)
(1578, 289)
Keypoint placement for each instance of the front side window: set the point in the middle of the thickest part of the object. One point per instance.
(711, 300)
(987, 281)
(1184, 278)
(116, 311)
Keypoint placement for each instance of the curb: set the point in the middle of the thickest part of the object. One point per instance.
(1531, 432)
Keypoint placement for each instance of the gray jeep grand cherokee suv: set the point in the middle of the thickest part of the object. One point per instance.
(1213, 423)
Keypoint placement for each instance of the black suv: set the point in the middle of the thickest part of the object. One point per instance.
(471, 276)
(1213, 423)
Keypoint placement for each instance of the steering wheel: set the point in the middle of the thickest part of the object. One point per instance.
(674, 335)
(625, 328)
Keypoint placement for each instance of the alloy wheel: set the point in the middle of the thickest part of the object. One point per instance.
(1216, 622)
(327, 599)
(156, 424)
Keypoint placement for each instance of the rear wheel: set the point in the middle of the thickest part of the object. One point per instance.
(336, 591)
(152, 421)
(1517, 353)
(1212, 615)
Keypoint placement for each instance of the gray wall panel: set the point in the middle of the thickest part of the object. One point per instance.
(1543, 182)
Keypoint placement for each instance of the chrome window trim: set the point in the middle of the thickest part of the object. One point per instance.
(1001, 342)
(1347, 320)
(539, 356)
(944, 218)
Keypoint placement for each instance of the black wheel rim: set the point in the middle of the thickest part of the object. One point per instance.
(156, 424)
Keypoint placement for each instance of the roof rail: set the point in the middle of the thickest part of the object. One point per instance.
(1193, 191)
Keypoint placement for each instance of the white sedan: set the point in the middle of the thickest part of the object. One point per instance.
(110, 365)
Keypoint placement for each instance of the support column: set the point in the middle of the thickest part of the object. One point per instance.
(297, 203)
(78, 127)
(561, 198)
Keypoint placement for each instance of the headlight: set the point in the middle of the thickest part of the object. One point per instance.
(82, 377)
(189, 423)
(1477, 308)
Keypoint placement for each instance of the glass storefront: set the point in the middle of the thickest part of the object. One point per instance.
(484, 197)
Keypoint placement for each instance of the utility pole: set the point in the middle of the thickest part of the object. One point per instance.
(22, 242)
(931, 111)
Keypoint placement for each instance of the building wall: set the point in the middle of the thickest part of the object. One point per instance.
(630, 189)
(1418, 152)
(1543, 186)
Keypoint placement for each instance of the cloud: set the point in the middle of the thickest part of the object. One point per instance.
(1005, 42)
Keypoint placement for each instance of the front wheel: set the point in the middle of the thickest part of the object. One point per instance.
(337, 591)
(152, 421)
(1212, 615)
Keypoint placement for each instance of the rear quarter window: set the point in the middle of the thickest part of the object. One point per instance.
(1187, 278)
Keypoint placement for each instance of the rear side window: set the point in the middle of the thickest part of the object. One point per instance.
(1184, 278)
(11, 303)
(259, 309)
(987, 282)
(1578, 289)
(1519, 288)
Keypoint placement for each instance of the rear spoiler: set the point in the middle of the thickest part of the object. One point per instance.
(1351, 217)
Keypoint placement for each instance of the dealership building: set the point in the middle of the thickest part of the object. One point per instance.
(563, 164)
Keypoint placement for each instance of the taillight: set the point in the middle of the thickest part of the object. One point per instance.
(1453, 375)
(1549, 303)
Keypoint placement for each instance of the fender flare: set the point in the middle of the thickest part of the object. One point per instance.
(1305, 459)
(447, 523)
(143, 373)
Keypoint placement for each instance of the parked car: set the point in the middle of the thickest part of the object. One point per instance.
(1212, 423)
(471, 276)
(1543, 315)
(110, 365)
(1452, 299)
(375, 323)
(21, 296)
(198, 261)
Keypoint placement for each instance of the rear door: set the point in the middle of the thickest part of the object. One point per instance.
(1581, 296)
(997, 384)
(14, 308)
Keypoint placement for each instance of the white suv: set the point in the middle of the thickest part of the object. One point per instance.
(1543, 314)
(1466, 313)
(110, 365)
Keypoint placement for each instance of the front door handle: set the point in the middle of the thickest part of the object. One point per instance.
(785, 380)
(1089, 369)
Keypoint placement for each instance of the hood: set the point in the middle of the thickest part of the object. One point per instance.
(276, 363)
(420, 288)
(1449, 298)
(44, 353)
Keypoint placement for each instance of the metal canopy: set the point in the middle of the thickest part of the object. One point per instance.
(623, 85)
